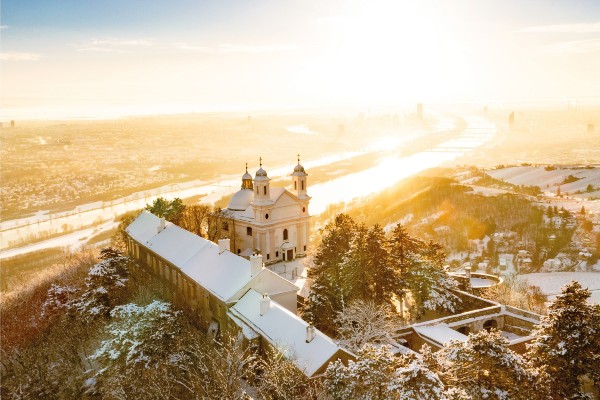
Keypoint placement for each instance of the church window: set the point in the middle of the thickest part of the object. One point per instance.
(266, 216)
(285, 234)
(295, 185)
(268, 256)
(304, 247)
(303, 209)
(265, 190)
(277, 254)
(249, 231)
(302, 185)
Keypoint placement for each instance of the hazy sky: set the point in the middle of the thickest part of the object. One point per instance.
(98, 58)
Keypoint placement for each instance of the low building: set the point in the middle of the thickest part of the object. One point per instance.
(229, 293)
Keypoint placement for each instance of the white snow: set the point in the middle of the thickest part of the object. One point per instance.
(287, 332)
(440, 333)
(548, 180)
(551, 283)
(481, 283)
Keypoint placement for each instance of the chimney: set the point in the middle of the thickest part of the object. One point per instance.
(311, 332)
(223, 245)
(162, 225)
(265, 304)
(256, 265)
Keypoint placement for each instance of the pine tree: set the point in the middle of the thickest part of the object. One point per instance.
(366, 378)
(485, 368)
(566, 345)
(429, 283)
(327, 294)
(384, 278)
(356, 279)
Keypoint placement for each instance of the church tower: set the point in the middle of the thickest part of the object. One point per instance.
(262, 190)
(247, 180)
(299, 181)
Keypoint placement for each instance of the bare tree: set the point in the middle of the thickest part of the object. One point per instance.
(364, 321)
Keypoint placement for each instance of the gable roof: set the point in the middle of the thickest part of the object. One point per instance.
(222, 274)
(267, 282)
(287, 332)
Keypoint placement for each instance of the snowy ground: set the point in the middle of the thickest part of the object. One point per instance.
(549, 181)
(552, 282)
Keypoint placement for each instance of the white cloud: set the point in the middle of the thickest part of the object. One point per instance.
(573, 47)
(592, 27)
(235, 49)
(19, 56)
(111, 45)
(3, 26)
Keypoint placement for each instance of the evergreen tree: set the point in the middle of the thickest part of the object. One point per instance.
(484, 368)
(356, 279)
(566, 345)
(430, 285)
(366, 378)
(327, 294)
(169, 210)
(384, 278)
(378, 374)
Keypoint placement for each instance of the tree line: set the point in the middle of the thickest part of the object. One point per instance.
(354, 262)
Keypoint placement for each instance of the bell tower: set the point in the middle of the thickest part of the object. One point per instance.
(262, 190)
(247, 180)
(299, 181)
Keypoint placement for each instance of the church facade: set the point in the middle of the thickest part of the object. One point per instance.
(271, 221)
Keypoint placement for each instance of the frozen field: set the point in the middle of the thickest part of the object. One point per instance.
(552, 282)
(549, 181)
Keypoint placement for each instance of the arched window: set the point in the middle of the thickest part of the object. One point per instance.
(295, 185)
(302, 185)
(265, 190)
(285, 234)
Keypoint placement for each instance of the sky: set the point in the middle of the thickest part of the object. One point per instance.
(89, 58)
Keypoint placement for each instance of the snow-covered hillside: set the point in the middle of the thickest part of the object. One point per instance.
(549, 180)
(552, 282)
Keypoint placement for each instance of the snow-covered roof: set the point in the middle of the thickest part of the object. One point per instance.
(143, 227)
(276, 193)
(223, 274)
(286, 331)
(241, 200)
(440, 334)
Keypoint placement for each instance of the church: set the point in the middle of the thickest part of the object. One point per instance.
(273, 222)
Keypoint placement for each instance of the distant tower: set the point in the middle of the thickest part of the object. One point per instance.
(299, 181)
(511, 121)
(12, 123)
(420, 111)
